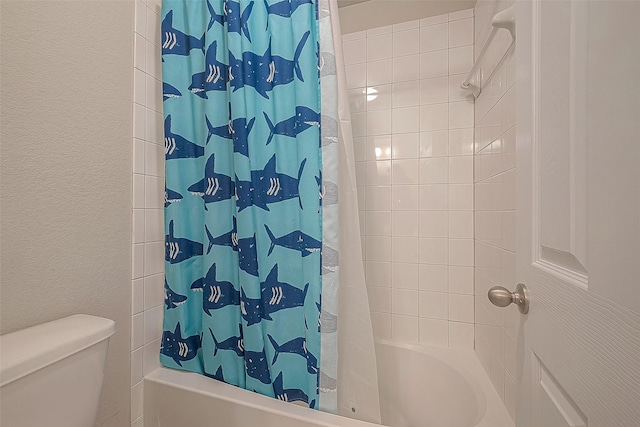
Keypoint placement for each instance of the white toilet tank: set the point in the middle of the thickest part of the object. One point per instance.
(51, 374)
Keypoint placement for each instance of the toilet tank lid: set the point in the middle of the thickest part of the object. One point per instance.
(27, 350)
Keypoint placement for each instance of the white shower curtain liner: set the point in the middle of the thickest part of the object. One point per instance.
(357, 372)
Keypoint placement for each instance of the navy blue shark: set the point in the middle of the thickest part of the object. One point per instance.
(172, 299)
(232, 343)
(278, 296)
(257, 366)
(266, 71)
(268, 186)
(250, 309)
(214, 17)
(246, 248)
(171, 197)
(178, 147)
(304, 119)
(217, 376)
(215, 294)
(214, 76)
(295, 346)
(237, 130)
(214, 187)
(178, 249)
(175, 42)
(236, 22)
(288, 394)
(296, 240)
(274, 296)
(178, 348)
(285, 8)
(169, 91)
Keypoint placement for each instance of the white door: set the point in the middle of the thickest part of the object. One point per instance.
(578, 209)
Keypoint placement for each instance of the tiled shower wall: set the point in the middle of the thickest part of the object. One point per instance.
(413, 137)
(496, 330)
(148, 202)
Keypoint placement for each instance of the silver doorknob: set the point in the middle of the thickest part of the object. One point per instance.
(502, 297)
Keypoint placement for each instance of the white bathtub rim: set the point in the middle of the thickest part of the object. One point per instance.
(492, 412)
(196, 383)
(463, 361)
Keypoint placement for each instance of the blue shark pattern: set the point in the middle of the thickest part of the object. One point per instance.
(169, 92)
(289, 394)
(219, 375)
(215, 294)
(214, 17)
(231, 343)
(285, 8)
(296, 240)
(236, 22)
(279, 295)
(257, 366)
(274, 296)
(178, 348)
(295, 346)
(178, 249)
(172, 299)
(268, 186)
(237, 130)
(231, 88)
(267, 71)
(214, 76)
(305, 118)
(246, 248)
(175, 42)
(178, 147)
(170, 197)
(214, 187)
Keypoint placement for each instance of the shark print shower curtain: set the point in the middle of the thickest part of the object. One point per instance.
(251, 198)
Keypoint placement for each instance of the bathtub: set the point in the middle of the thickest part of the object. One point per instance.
(420, 386)
(424, 386)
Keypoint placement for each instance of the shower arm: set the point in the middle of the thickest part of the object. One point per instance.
(504, 19)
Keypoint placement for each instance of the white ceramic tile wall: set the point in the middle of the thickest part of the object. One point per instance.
(413, 131)
(495, 132)
(148, 199)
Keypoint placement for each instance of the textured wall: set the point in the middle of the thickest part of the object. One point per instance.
(147, 273)
(66, 172)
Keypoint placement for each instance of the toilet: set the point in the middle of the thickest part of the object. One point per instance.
(51, 374)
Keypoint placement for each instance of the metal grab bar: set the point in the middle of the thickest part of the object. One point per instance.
(505, 19)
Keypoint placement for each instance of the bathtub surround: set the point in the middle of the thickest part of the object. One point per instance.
(496, 329)
(413, 130)
(66, 173)
(147, 272)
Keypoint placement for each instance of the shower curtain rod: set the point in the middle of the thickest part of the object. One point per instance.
(504, 19)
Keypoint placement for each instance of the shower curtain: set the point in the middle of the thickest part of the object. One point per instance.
(252, 267)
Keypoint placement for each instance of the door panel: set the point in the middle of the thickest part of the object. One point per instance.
(578, 212)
